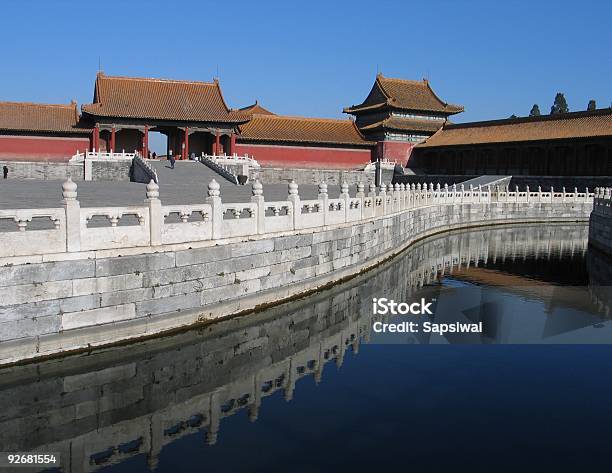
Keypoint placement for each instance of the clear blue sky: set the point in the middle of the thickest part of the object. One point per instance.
(314, 57)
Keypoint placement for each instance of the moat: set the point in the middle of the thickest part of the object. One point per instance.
(308, 386)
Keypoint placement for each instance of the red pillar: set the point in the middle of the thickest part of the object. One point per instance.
(232, 149)
(217, 149)
(145, 142)
(112, 143)
(186, 143)
(96, 138)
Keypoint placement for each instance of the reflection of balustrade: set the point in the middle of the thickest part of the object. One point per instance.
(73, 232)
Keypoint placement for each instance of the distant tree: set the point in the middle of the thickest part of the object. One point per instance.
(535, 111)
(513, 116)
(560, 105)
(592, 105)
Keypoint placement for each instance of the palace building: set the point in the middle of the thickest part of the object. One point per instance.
(567, 144)
(403, 121)
(285, 141)
(397, 114)
(195, 118)
(37, 132)
(193, 115)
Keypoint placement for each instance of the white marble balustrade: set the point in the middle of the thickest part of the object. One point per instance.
(89, 229)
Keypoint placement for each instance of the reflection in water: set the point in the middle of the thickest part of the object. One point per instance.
(165, 399)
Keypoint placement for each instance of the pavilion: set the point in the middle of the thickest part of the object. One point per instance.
(193, 115)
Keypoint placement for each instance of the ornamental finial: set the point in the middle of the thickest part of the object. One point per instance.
(214, 189)
(257, 188)
(69, 189)
(152, 190)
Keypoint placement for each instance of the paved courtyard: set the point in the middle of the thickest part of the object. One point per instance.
(186, 184)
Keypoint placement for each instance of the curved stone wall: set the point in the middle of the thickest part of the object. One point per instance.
(77, 300)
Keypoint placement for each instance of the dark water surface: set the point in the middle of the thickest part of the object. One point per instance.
(311, 387)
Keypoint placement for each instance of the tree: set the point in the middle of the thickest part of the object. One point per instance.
(560, 105)
(513, 116)
(592, 105)
(535, 111)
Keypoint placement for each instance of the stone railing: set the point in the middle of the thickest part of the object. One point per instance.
(102, 155)
(143, 172)
(602, 201)
(233, 159)
(384, 164)
(600, 223)
(224, 170)
(75, 229)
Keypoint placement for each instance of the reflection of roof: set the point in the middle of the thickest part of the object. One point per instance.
(546, 127)
(161, 99)
(23, 116)
(404, 124)
(405, 95)
(302, 130)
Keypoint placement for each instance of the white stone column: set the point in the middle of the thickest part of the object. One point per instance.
(156, 218)
(344, 195)
(324, 199)
(72, 208)
(383, 195)
(216, 217)
(361, 196)
(258, 199)
(372, 190)
(294, 198)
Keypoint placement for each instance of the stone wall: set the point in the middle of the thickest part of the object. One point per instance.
(111, 170)
(80, 300)
(314, 176)
(43, 170)
(100, 170)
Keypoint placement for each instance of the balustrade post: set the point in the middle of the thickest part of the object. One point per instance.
(344, 195)
(156, 217)
(294, 198)
(552, 194)
(402, 196)
(72, 207)
(216, 217)
(516, 193)
(372, 190)
(258, 199)
(383, 195)
(527, 193)
(324, 199)
(586, 194)
(539, 193)
(361, 196)
(396, 197)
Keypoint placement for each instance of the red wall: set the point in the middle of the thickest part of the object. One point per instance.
(40, 148)
(397, 151)
(306, 156)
